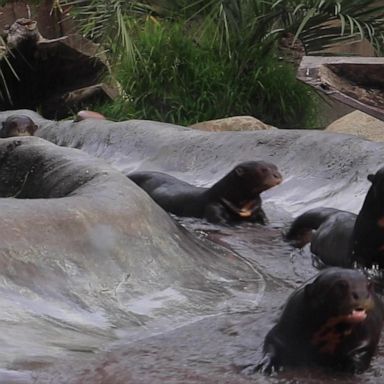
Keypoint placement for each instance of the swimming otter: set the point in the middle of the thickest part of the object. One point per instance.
(329, 231)
(334, 321)
(18, 125)
(343, 238)
(235, 197)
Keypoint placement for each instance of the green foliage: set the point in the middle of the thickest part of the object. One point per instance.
(105, 21)
(324, 24)
(209, 59)
(320, 24)
(180, 80)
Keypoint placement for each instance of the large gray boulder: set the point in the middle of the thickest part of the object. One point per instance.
(85, 254)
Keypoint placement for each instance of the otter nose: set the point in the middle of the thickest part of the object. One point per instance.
(360, 297)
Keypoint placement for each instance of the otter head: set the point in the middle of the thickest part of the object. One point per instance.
(344, 295)
(376, 190)
(338, 300)
(18, 125)
(254, 177)
(239, 190)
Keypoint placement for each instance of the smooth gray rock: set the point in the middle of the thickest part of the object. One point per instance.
(85, 255)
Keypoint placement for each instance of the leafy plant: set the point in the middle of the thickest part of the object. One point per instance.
(183, 61)
(325, 24)
(105, 21)
(320, 24)
(197, 80)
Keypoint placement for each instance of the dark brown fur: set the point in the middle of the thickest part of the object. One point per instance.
(342, 238)
(335, 321)
(234, 198)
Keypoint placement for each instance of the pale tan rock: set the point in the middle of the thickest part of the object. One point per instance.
(360, 124)
(235, 123)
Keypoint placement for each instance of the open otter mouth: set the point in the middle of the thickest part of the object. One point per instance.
(356, 316)
(245, 211)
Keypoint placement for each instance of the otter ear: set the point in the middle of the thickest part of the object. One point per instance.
(370, 177)
(239, 170)
(308, 290)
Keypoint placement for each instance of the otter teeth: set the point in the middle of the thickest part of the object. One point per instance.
(357, 315)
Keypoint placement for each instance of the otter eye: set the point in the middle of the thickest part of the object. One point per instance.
(371, 177)
(240, 171)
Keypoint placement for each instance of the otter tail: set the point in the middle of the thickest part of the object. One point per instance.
(301, 230)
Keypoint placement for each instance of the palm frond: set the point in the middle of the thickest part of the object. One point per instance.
(242, 22)
(335, 21)
(105, 21)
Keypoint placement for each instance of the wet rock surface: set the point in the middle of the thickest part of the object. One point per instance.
(160, 305)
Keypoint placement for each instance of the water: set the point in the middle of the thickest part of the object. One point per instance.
(146, 303)
(214, 349)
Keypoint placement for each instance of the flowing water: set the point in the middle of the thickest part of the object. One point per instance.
(136, 299)
(214, 349)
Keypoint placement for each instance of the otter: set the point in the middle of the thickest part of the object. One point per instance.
(18, 125)
(368, 232)
(334, 321)
(329, 230)
(343, 238)
(234, 198)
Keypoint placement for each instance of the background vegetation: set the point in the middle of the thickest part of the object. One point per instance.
(179, 80)
(185, 61)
